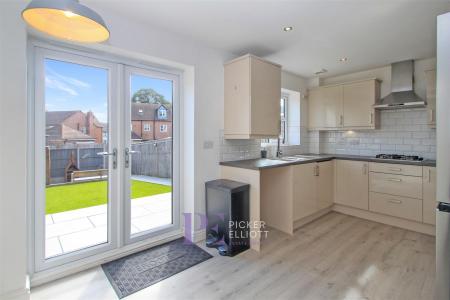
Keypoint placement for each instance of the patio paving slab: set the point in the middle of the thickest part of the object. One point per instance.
(81, 228)
(63, 228)
(52, 247)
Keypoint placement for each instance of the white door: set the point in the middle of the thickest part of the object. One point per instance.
(151, 156)
(105, 155)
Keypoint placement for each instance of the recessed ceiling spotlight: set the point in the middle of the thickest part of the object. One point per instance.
(288, 28)
(343, 59)
(322, 71)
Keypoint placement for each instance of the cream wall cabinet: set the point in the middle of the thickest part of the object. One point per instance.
(252, 98)
(344, 106)
(325, 107)
(431, 97)
(352, 183)
(429, 195)
(359, 98)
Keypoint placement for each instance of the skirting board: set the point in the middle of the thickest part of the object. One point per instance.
(393, 221)
(308, 219)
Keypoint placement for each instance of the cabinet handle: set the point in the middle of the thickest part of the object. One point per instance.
(395, 201)
(431, 115)
(365, 169)
(371, 118)
(318, 170)
(429, 175)
(341, 120)
(395, 169)
(395, 179)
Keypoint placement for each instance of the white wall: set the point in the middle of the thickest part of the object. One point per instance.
(13, 155)
(206, 110)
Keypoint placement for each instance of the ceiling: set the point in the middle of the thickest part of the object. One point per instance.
(370, 33)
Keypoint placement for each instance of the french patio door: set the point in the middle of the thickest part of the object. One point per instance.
(105, 155)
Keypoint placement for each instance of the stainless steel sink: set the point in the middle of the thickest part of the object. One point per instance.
(306, 156)
(292, 158)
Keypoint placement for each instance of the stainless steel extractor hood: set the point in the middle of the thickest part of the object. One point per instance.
(402, 88)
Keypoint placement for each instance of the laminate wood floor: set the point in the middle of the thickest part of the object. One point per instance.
(334, 257)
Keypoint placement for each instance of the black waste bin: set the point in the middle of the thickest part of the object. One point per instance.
(228, 216)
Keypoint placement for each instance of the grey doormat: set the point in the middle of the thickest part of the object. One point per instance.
(132, 273)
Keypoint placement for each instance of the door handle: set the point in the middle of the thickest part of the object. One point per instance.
(113, 154)
(127, 156)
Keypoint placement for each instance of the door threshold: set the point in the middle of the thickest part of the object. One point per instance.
(59, 272)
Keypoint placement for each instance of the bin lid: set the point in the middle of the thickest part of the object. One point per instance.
(227, 185)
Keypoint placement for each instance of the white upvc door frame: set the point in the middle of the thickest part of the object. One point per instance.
(119, 241)
(41, 263)
(128, 72)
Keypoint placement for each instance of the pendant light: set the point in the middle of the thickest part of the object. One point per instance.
(66, 19)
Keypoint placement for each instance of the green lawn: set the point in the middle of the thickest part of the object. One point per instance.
(80, 195)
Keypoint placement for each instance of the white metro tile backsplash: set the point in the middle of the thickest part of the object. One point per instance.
(403, 131)
(248, 149)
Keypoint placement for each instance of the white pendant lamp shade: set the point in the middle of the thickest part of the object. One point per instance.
(66, 19)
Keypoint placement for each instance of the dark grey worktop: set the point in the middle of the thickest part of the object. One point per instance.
(266, 163)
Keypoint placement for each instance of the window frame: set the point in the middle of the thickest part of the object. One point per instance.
(147, 127)
(161, 130)
(270, 142)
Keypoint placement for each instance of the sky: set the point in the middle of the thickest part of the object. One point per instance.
(71, 86)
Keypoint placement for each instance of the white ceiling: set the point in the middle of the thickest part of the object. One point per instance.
(371, 33)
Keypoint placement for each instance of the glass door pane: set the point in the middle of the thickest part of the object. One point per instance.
(76, 156)
(150, 152)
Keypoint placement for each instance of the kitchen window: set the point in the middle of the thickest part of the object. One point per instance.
(283, 125)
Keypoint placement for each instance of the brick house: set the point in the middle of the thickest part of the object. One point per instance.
(63, 127)
(151, 121)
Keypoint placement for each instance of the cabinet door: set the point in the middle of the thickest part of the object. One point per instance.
(316, 117)
(304, 187)
(429, 195)
(359, 99)
(332, 106)
(352, 183)
(237, 99)
(265, 99)
(431, 96)
(325, 107)
(325, 184)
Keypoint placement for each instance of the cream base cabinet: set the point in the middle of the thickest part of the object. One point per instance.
(325, 107)
(252, 93)
(304, 190)
(429, 195)
(325, 184)
(313, 188)
(352, 183)
(359, 98)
